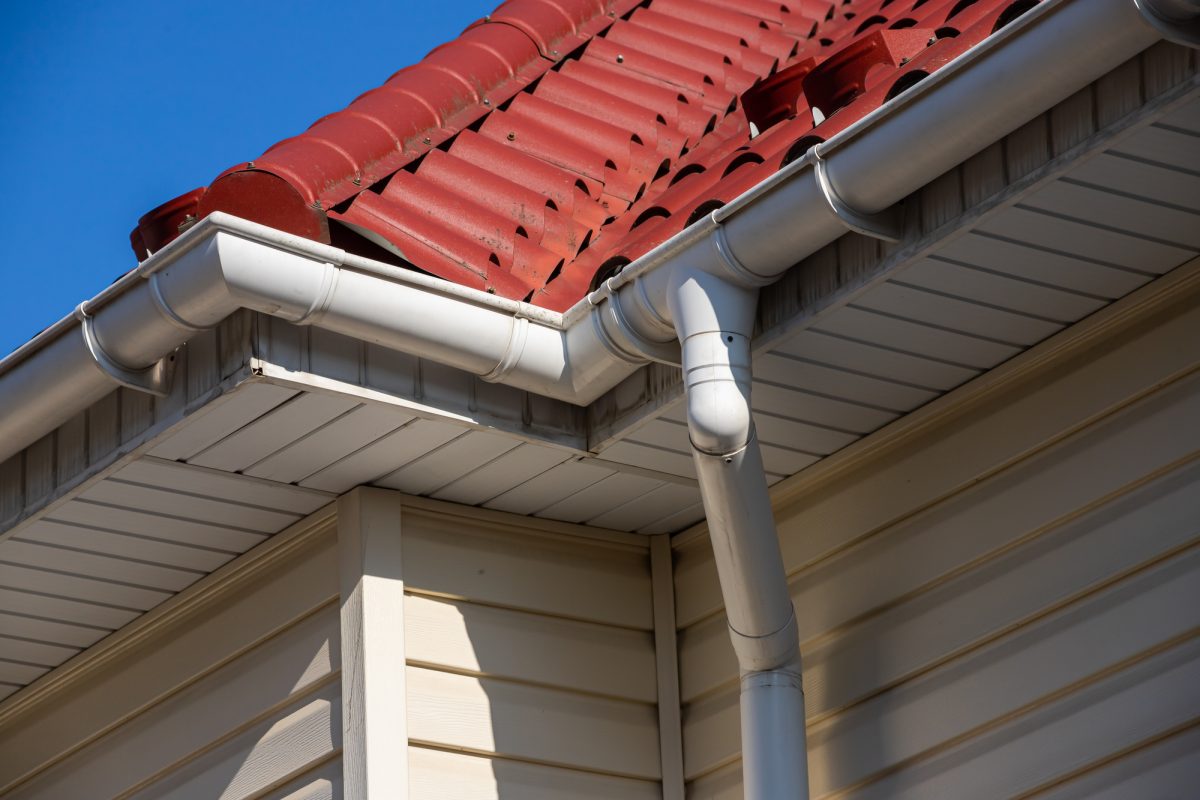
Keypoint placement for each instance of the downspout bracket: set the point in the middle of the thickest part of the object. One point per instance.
(887, 224)
(154, 379)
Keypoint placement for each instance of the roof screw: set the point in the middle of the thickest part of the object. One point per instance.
(249, 165)
(487, 102)
(553, 52)
(487, 18)
(357, 181)
(491, 290)
(512, 136)
(427, 140)
(620, 58)
(904, 61)
(932, 41)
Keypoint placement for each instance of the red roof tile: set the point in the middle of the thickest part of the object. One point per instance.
(557, 140)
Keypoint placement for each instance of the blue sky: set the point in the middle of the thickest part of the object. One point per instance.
(108, 109)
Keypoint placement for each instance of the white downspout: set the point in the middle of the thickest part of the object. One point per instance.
(714, 319)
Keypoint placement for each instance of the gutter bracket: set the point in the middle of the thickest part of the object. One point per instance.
(886, 225)
(154, 379)
(1182, 30)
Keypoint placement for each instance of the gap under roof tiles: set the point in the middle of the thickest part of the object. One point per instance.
(555, 141)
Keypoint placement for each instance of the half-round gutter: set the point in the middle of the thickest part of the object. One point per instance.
(692, 301)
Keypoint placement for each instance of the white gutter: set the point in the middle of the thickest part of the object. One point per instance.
(698, 290)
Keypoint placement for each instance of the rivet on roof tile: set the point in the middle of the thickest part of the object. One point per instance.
(487, 102)
(904, 61)
(427, 140)
(932, 41)
(620, 58)
(512, 136)
(553, 52)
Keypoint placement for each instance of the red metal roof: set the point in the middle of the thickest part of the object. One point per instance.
(556, 140)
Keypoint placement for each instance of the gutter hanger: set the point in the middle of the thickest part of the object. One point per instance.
(692, 301)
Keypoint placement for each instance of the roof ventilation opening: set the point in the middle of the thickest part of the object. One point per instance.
(690, 169)
(906, 82)
(870, 22)
(703, 210)
(797, 150)
(901, 24)
(959, 7)
(1013, 11)
(663, 169)
(522, 232)
(741, 161)
(607, 270)
(649, 214)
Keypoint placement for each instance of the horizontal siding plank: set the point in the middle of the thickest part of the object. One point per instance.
(1037, 661)
(218, 420)
(274, 431)
(826, 348)
(437, 775)
(985, 520)
(532, 723)
(176, 657)
(1147, 699)
(1158, 770)
(1013, 425)
(261, 756)
(345, 435)
(552, 575)
(320, 783)
(216, 705)
(157, 526)
(555, 652)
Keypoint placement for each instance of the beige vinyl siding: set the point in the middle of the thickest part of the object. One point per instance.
(531, 664)
(237, 696)
(1006, 603)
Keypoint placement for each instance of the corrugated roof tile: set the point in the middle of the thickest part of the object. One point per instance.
(556, 140)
